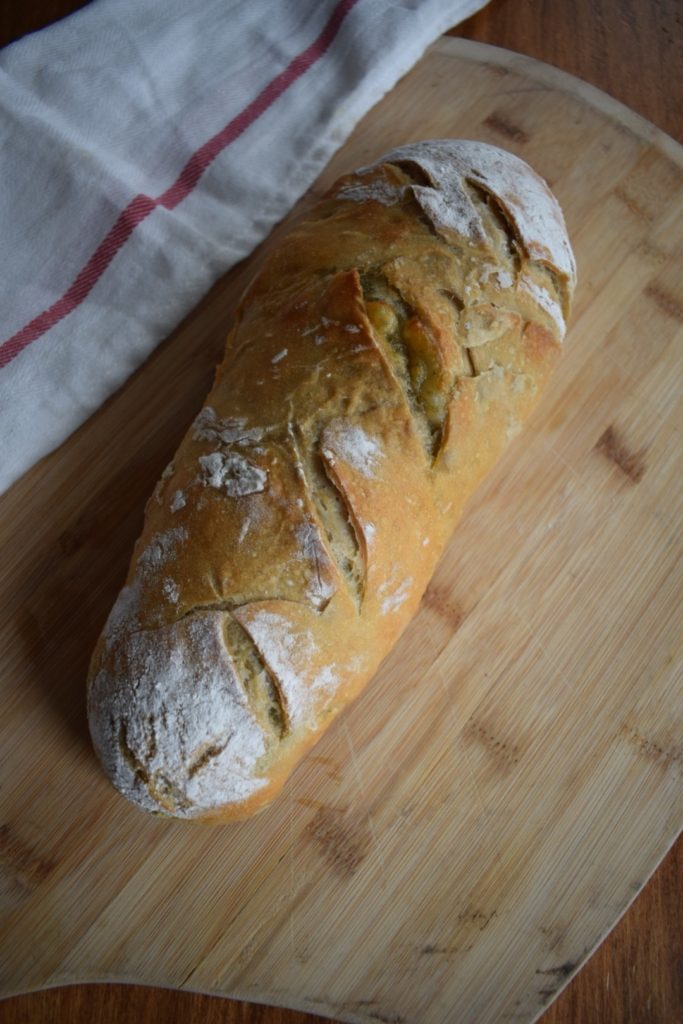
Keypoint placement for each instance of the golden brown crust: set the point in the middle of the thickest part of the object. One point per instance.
(381, 361)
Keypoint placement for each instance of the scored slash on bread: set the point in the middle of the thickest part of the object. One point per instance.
(386, 353)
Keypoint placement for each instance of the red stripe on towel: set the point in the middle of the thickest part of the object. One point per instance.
(141, 206)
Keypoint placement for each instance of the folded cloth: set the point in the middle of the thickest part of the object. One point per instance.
(145, 147)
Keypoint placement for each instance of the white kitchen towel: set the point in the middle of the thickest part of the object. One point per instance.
(146, 146)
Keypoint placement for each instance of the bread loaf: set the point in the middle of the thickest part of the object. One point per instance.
(379, 363)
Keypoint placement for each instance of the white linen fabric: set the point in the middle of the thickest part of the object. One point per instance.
(146, 146)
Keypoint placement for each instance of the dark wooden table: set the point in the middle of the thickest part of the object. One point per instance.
(632, 49)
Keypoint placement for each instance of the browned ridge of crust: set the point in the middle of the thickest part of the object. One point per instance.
(380, 362)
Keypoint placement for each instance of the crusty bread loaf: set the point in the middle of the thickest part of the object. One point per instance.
(379, 364)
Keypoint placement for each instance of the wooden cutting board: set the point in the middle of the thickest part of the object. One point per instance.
(462, 838)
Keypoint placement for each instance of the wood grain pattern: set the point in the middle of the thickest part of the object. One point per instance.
(610, 993)
(615, 443)
(632, 50)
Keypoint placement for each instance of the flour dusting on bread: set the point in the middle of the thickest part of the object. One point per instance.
(231, 472)
(350, 442)
(451, 165)
(232, 430)
(179, 735)
(379, 363)
(161, 547)
(289, 657)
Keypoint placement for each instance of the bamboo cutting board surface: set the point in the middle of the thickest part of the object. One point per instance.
(462, 838)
